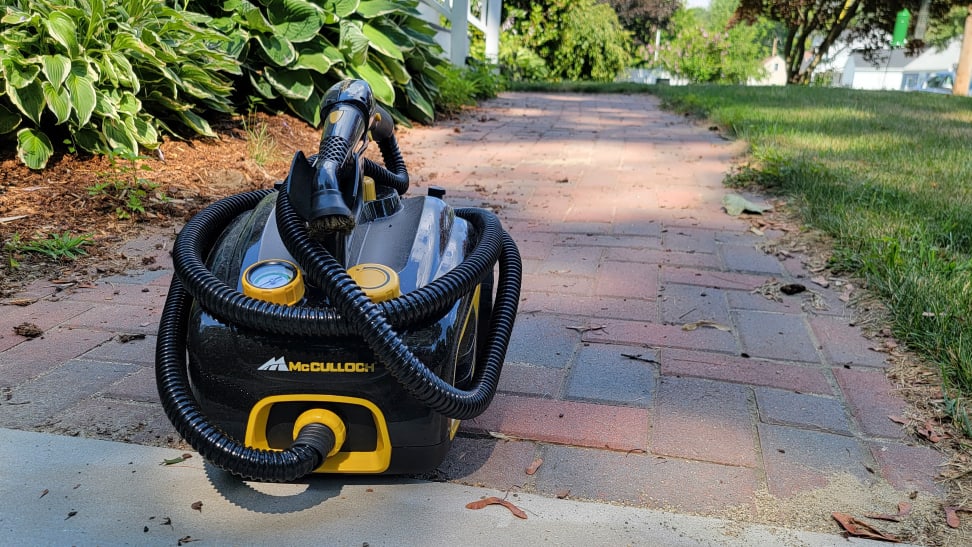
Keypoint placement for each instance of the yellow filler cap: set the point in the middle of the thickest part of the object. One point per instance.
(377, 281)
(276, 281)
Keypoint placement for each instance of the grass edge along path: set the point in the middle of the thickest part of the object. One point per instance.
(888, 175)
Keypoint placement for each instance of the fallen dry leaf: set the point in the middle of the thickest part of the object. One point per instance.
(44, 493)
(582, 330)
(185, 540)
(860, 529)
(898, 420)
(951, 517)
(174, 461)
(534, 466)
(705, 323)
(493, 500)
(928, 433)
(821, 280)
(197, 506)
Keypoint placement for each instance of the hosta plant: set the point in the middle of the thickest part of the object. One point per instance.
(293, 50)
(108, 76)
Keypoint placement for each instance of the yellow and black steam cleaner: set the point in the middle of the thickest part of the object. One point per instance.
(330, 324)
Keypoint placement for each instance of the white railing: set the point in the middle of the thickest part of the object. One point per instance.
(460, 16)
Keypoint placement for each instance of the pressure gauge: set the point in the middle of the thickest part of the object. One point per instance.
(277, 281)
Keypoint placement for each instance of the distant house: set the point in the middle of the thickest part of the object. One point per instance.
(775, 67)
(895, 69)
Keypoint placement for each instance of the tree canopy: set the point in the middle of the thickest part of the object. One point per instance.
(812, 26)
(702, 47)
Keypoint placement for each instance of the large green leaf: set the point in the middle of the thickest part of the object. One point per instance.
(34, 148)
(279, 50)
(262, 86)
(55, 68)
(380, 84)
(83, 97)
(119, 137)
(255, 19)
(309, 110)
(370, 9)
(292, 84)
(316, 61)
(353, 42)
(62, 28)
(416, 100)
(341, 8)
(197, 123)
(8, 120)
(29, 99)
(395, 69)
(143, 131)
(295, 20)
(17, 73)
(90, 140)
(58, 101)
(382, 43)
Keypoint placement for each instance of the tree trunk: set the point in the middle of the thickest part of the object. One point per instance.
(963, 73)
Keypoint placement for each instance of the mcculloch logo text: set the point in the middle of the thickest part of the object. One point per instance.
(279, 364)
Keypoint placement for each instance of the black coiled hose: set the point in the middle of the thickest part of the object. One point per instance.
(395, 175)
(355, 313)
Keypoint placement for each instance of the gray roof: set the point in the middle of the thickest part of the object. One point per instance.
(879, 59)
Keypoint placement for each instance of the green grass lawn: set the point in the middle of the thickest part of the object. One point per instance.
(889, 175)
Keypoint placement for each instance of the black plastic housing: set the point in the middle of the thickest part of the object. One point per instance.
(421, 239)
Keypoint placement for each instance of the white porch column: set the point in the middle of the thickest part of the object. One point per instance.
(459, 42)
(493, 10)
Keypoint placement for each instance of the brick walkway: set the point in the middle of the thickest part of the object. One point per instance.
(616, 207)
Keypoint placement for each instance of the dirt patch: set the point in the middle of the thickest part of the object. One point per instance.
(180, 178)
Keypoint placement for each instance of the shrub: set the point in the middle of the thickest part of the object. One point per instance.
(108, 76)
(564, 39)
(291, 51)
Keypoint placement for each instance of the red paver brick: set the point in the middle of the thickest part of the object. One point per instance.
(709, 278)
(124, 421)
(589, 306)
(844, 344)
(531, 380)
(703, 420)
(681, 304)
(689, 239)
(871, 399)
(639, 479)
(624, 279)
(33, 357)
(117, 293)
(757, 372)
(567, 285)
(635, 333)
(909, 468)
(138, 386)
(489, 463)
(46, 314)
(799, 460)
(776, 336)
(120, 318)
(747, 258)
(571, 260)
(783, 407)
(601, 373)
(664, 256)
(564, 422)
(543, 340)
(36, 401)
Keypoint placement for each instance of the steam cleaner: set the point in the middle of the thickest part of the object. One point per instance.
(330, 324)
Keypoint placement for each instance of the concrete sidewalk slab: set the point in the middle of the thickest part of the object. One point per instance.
(58, 490)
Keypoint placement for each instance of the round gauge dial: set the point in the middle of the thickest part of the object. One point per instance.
(277, 281)
(271, 274)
